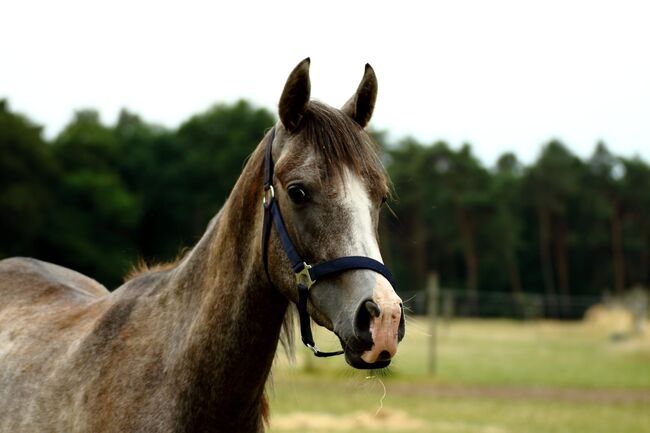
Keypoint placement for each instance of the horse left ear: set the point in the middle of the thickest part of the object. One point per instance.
(360, 106)
(295, 96)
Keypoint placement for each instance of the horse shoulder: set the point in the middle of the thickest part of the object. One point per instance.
(30, 280)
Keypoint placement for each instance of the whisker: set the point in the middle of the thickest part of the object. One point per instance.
(409, 299)
(391, 211)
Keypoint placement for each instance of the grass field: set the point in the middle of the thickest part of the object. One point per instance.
(493, 376)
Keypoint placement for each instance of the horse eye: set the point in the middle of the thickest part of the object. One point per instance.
(297, 194)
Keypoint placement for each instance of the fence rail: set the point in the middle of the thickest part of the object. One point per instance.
(462, 303)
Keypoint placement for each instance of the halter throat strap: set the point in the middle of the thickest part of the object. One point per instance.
(306, 275)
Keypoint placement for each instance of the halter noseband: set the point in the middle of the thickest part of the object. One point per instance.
(306, 275)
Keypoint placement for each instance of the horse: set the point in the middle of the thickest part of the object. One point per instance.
(188, 347)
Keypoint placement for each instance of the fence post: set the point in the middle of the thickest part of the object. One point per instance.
(432, 312)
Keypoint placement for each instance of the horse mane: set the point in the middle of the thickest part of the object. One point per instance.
(141, 267)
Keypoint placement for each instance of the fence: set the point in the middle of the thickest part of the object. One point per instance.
(447, 303)
(461, 303)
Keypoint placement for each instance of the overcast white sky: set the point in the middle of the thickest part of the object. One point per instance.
(502, 75)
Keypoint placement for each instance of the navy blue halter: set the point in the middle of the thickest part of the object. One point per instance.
(306, 275)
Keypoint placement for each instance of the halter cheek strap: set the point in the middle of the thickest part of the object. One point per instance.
(306, 275)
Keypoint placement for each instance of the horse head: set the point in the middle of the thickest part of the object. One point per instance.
(330, 184)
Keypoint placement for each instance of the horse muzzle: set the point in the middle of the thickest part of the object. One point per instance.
(377, 329)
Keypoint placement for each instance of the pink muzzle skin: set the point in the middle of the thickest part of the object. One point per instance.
(384, 327)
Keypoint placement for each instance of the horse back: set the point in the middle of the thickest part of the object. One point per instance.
(29, 281)
(46, 314)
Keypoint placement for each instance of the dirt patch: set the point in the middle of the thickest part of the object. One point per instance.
(459, 426)
(384, 420)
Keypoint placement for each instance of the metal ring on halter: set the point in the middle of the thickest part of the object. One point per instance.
(270, 191)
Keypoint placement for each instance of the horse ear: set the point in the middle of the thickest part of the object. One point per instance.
(361, 104)
(295, 96)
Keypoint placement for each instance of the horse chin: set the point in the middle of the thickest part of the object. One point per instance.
(354, 360)
(354, 351)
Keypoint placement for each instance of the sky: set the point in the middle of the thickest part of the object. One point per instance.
(500, 75)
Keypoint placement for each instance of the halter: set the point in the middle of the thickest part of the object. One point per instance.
(306, 275)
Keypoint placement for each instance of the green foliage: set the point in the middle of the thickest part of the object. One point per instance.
(99, 196)
(27, 168)
(550, 227)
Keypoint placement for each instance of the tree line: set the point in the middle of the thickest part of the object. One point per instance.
(98, 197)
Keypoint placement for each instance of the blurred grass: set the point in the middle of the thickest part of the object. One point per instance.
(493, 376)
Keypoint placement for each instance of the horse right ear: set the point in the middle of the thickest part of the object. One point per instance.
(295, 96)
(361, 105)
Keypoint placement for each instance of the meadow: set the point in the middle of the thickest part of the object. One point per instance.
(492, 376)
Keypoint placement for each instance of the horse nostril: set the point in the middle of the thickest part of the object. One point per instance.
(372, 308)
(366, 312)
(384, 356)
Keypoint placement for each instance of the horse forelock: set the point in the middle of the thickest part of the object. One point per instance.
(341, 144)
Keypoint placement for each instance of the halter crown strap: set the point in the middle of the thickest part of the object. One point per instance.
(306, 275)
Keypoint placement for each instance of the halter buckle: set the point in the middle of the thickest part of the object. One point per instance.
(304, 277)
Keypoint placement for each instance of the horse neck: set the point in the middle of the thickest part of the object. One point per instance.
(236, 314)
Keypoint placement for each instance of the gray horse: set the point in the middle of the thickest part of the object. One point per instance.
(188, 347)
